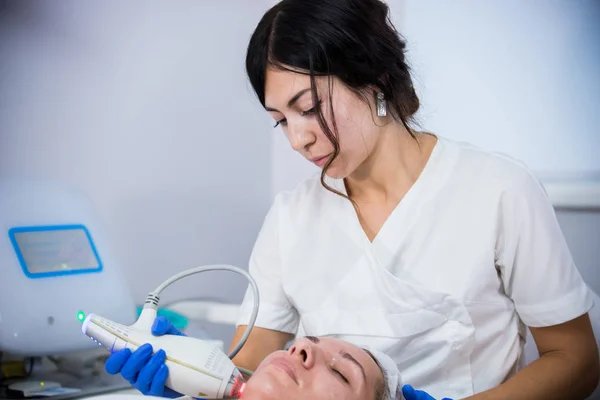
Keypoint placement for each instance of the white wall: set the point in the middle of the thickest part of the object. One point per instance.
(146, 107)
(510, 76)
(513, 76)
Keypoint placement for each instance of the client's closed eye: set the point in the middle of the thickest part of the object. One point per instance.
(340, 376)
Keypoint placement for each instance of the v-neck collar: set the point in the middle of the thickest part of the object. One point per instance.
(396, 223)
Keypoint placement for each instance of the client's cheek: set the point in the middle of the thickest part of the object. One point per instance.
(329, 389)
(269, 382)
(259, 389)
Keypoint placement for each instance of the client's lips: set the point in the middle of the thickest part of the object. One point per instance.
(285, 367)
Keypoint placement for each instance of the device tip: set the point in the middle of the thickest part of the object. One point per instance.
(85, 323)
(237, 388)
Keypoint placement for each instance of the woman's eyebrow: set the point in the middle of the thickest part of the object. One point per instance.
(313, 339)
(353, 360)
(292, 101)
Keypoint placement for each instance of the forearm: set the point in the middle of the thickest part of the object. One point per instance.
(553, 376)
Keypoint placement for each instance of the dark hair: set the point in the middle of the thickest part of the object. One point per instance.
(353, 40)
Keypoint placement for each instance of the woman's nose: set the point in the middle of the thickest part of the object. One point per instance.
(305, 351)
(300, 137)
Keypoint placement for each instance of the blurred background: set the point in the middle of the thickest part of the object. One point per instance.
(145, 107)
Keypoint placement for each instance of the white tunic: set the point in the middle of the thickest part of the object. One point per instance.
(471, 255)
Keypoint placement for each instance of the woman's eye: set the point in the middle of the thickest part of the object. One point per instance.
(280, 122)
(308, 112)
(335, 371)
(311, 111)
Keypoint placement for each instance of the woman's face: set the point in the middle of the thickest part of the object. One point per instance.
(288, 99)
(318, 369)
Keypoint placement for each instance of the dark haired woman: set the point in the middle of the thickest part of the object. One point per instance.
(433, 251)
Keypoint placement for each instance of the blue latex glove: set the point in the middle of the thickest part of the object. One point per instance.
(411, 394)
(145, 371)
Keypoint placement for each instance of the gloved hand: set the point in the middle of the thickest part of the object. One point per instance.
(145, 371)
(411, 394)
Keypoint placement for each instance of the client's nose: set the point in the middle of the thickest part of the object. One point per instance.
(304, 350)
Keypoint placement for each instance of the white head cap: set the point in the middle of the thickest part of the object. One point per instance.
(394, 381)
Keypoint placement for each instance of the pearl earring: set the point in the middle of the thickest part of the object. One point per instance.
(381, 105)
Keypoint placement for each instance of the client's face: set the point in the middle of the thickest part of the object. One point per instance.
(317, 369)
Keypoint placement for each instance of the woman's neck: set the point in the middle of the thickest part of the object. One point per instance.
(392, 168)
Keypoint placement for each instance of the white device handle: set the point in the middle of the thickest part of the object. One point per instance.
(196, 368)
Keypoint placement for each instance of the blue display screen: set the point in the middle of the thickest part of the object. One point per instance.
(45, 251)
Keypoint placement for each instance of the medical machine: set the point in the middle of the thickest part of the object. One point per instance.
(55, 264)
(196, 367)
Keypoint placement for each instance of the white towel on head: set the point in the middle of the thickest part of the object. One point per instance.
(388, 366)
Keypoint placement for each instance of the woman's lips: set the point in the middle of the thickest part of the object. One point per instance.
(285, 367)
(320, 161)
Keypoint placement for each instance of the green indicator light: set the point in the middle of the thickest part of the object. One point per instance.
(80, 316)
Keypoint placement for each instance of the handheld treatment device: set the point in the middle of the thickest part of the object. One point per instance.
(196, 367)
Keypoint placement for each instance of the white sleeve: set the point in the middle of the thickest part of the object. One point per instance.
(537, 269)
(275, 311)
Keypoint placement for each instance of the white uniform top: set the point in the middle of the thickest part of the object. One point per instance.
(471, 254)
